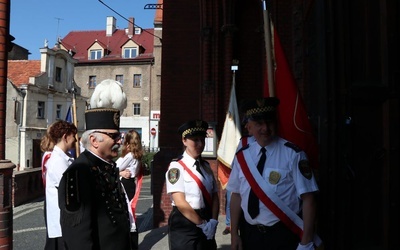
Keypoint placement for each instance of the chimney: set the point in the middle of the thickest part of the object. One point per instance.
(111, 25)
(131, 26)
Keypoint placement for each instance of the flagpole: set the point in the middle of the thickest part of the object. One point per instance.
(268, 50)
(75, 121)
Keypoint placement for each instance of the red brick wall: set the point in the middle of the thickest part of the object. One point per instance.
(200, 40)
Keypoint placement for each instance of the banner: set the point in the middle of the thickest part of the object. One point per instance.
(229, 139)
(294, 124)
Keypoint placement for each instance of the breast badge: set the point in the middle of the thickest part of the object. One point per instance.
(305, 169)
(274, 177)
(173, 175)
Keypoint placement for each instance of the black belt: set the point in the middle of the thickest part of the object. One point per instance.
(265, 229)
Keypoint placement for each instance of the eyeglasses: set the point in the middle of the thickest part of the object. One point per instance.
(115, 136)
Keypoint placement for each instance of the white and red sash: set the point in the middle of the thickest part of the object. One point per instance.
(206, 194)
(269, 198)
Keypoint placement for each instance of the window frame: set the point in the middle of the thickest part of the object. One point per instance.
(58, 76)
(95, 54)
(121, 80)
(58, 111)
(41, 108)
(92, 85)
(135, 85)
(130, 50)
(136, 109)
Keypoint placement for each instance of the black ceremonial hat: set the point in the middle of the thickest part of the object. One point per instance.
(260, 109)
(193, 128)
(102, 118)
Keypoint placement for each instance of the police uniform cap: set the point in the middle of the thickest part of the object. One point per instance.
(102, 118)
(260, 109)
(193, 128)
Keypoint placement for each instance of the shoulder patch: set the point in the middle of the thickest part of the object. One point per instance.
(173, 175)
(293, 146)
(305, 169)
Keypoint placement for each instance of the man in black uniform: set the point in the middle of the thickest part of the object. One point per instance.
(94, 213)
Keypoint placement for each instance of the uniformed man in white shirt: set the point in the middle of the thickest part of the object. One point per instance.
(272, 183)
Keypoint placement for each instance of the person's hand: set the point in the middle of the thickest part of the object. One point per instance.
(125, 173)
(309, 246)
(236, 242)
(206, 228)
(213, 225)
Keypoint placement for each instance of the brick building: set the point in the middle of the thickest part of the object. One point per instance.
(342, 55)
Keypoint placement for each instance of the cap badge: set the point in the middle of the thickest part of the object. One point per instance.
(274, 177)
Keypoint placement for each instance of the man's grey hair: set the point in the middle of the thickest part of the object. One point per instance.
(85, 138)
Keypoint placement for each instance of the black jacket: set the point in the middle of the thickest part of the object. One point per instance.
(94, 213)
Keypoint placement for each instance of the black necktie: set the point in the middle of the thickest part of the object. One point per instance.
(253, 204)
(197, 163)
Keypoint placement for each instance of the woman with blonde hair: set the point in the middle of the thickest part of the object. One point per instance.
(130, 167)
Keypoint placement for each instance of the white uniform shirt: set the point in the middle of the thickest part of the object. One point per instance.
(56, 166)
(184, 183)
(128, 162)
(290, 185)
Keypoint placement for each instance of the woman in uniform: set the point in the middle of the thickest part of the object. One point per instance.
(193, 189)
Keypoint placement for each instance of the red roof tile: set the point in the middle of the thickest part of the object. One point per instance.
(80, 41)
(19, 71)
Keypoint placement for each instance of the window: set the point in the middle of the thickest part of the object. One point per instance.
(136, 109)
(137, 80)
(40, 110)
(130, 52)
(92, 82)
(120, 78)
(95, 54)
(58, 74)
(58, 111)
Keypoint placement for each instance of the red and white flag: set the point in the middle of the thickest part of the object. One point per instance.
(229, 139)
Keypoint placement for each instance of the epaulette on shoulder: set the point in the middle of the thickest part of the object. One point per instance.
(243, 148)
(293, 146)
(178, 158)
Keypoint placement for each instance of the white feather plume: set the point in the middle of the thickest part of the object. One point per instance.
(109, 94)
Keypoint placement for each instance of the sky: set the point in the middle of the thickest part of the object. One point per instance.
(33, 21)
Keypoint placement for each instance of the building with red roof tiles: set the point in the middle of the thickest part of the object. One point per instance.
(131, 56)
(39, 92)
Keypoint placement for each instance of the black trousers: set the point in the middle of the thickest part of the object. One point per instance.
(276, 237)
(129, 186)
(185, 235)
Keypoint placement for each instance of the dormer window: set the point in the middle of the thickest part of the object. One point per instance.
(130, 52)
(95, 54)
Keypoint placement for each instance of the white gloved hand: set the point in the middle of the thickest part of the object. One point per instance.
(206, 228)
(213, 225)
(308, 246)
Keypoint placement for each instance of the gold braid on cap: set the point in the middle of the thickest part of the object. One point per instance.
(251, 112)
(191, 130)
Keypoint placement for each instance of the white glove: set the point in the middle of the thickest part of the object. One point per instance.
(206, 228)
(308, 246)
(213, 224)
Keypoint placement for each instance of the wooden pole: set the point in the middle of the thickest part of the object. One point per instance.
(268, 50)
(74, 119)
